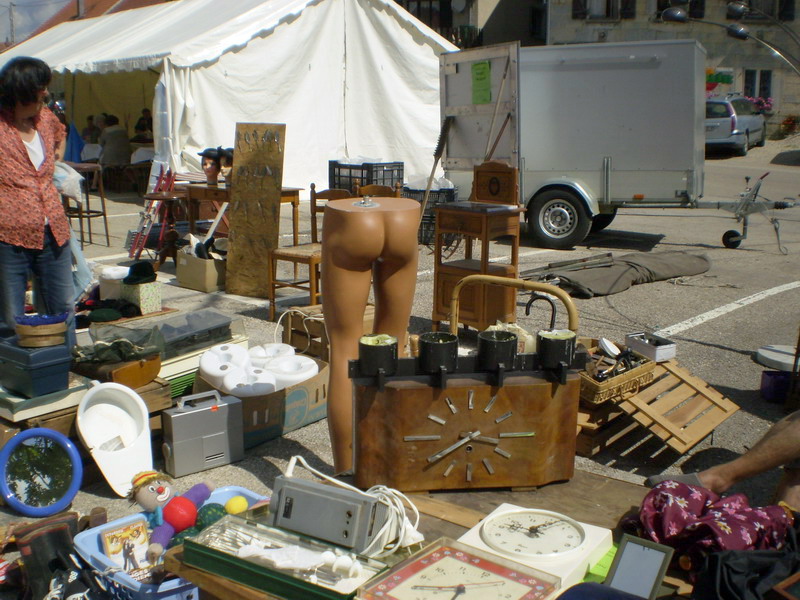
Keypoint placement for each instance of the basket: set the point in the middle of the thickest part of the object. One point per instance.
(343, 176)
(427, 226)
(40, 336)
(616, 388)
(121, 586)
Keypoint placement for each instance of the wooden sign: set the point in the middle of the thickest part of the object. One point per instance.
(254, 211)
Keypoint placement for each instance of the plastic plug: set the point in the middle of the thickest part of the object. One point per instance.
(410, 535)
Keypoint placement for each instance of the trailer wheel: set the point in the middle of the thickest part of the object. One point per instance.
(601, 221)
(731, 239)
(557, 219)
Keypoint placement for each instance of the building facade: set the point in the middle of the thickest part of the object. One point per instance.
(733, 65)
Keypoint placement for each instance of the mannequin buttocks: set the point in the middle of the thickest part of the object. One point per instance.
(363, 242)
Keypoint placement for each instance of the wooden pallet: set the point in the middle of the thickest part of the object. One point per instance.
(678, 407)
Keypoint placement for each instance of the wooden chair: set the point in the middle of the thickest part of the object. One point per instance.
(375, 189)
(303, 254)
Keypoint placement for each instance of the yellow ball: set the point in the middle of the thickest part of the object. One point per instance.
(236, 505)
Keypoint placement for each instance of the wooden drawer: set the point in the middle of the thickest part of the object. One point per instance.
(459, 222)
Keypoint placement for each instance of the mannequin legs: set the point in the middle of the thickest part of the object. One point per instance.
(357, 248)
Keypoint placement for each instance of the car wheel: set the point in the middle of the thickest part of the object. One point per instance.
(742, 150)
(557, 219)
(763, 141)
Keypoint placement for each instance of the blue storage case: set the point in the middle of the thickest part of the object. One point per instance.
(89, 544)
(33, 372)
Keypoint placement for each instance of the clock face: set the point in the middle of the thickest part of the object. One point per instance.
(532, 533)
(450, 572)
(467, 435)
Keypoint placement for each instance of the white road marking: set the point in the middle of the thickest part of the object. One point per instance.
(725, 309)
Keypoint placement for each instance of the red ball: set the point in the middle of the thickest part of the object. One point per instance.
(181, 513)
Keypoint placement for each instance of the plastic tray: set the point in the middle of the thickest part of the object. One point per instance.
(122, 586)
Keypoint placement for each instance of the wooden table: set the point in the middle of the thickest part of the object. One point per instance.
(587, 497)
(198, 193)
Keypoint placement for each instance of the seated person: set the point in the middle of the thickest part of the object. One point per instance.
(114, 140)
(142, 135)
(145, 122)
(91, 132)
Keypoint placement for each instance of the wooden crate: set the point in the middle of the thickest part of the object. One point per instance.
(304, 328)
(593, 439)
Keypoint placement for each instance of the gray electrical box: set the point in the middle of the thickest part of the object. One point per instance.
(203, 431)
(337, 515)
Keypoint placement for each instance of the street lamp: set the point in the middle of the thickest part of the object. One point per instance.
(677, 14)
(738, 9)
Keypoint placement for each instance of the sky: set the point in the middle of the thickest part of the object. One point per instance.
(28, 15)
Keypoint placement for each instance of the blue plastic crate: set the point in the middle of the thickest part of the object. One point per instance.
(89, 544)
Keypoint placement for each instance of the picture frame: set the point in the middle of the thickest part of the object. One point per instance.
(639, 567)
(789, 588)
(126, 545)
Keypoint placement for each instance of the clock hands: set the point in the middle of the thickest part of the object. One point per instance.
(459, 589)
(439, 455)
(532, 530)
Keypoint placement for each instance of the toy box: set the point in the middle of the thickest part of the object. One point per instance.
(34, 372)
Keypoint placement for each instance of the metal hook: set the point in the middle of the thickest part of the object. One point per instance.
(536, 296)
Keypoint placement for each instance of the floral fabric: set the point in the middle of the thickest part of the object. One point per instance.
(28, 195)
(696, 521)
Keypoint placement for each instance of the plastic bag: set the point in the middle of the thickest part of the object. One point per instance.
(68, 181)
(526, 341)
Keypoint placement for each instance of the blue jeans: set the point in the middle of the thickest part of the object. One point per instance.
(52, 272)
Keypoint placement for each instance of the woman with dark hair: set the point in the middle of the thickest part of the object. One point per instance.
(34, 231)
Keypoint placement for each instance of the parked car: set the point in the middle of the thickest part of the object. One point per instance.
(734, 122)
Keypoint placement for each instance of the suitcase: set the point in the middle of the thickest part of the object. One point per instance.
(202, 432)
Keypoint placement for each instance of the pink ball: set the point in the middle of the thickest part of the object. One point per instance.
(181, 513)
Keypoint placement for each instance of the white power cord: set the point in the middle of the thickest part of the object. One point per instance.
(397, 532)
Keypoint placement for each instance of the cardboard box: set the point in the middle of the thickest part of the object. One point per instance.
(147, 296)
(270, 416)
(203, 275)
(304, 328)
(649, 345)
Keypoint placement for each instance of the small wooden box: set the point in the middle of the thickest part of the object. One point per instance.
(304, 328)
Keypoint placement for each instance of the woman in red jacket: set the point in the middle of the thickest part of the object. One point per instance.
(34, 231)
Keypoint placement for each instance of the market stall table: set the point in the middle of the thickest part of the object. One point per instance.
(587, 497)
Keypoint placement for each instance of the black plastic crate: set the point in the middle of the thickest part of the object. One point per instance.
(427, 225)
(343, 176)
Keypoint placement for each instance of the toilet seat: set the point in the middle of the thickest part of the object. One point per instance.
(113, 423)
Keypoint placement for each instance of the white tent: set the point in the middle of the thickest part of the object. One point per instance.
(350, 78)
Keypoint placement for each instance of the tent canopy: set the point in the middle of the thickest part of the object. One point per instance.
(350, 78)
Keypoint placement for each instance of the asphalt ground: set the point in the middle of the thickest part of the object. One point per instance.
(748, 299)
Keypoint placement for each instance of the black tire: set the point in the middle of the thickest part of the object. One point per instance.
(731, 239)
(763, 141)
(601, 221)
(745, 147)
(557, 219)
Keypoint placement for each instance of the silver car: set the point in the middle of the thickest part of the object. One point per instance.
(734, 122)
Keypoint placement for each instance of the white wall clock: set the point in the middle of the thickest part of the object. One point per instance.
(567, 546)
(534, 533)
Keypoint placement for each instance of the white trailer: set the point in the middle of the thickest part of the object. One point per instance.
(592, 128)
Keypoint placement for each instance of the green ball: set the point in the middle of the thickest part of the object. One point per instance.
(209, 514)
(178, 538)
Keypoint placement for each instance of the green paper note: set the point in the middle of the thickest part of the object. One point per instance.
(481, 82)
(599, 571)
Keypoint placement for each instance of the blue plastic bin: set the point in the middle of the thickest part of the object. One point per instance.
(89, 544)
